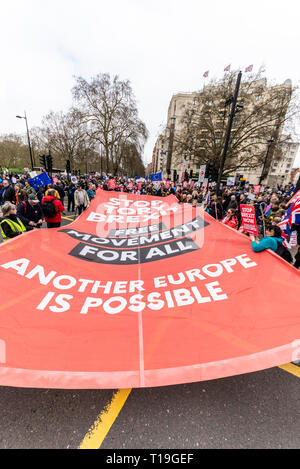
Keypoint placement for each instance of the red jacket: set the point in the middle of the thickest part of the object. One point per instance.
(232, 222)
(58, 207)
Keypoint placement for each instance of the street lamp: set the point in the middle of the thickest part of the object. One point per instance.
(28, 137)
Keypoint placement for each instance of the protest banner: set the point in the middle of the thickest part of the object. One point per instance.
(202, 173)
(256, 189)
(140, 291)
(249, 219)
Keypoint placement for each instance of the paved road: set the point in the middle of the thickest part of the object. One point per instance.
(259, 410)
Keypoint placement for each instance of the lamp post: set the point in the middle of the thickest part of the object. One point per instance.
(28, 137)
(266, 160)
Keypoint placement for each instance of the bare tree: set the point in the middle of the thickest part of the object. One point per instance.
(131, 162)
(66, 136)
(13, 152)
(263, 112)
(108, 109)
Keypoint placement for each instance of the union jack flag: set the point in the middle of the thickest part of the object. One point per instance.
(292, 217)
(249, 69)
(206, 74)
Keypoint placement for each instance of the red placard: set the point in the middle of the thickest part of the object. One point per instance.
(112, 184)
(256, 189)
(249, 219)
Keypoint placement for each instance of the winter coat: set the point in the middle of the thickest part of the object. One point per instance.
(86, 201)
(29, 212)
(58, 207)
(269, 242)
(7, 195)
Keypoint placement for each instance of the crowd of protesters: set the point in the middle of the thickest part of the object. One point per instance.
(24, 208)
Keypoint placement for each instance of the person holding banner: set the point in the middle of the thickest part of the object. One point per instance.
(11, 225)
(272, 241)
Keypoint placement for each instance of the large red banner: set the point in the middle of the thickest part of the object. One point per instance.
(141, 291)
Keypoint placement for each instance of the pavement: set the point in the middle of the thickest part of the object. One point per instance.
(257, 410)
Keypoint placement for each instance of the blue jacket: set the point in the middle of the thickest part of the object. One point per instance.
(269, 242)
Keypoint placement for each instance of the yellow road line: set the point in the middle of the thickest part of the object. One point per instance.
(291, 368)
(100, 429)
(68, 218)
(98, 432)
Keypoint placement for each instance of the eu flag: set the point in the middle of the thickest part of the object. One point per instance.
(40, 180)
(156, 177)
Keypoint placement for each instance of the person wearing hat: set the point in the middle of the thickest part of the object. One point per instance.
(30, 210)
(11, 225)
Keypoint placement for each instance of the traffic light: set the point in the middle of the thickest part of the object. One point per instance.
(68, 166)
(49, 159)
(211, 172)
(43, 161)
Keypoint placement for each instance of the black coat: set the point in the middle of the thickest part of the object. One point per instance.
(28, 213)
(216, 210)
(9, 195)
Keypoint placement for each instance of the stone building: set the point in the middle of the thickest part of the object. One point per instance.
(172, 163)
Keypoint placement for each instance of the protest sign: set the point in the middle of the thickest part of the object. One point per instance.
(249, 219)
(112, 184)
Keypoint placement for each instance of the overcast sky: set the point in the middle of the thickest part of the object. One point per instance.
(161, 46)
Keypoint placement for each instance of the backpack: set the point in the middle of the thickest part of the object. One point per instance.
(49, 209)
(283, 252)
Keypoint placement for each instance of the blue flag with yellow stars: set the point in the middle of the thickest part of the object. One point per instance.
(40, 180)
